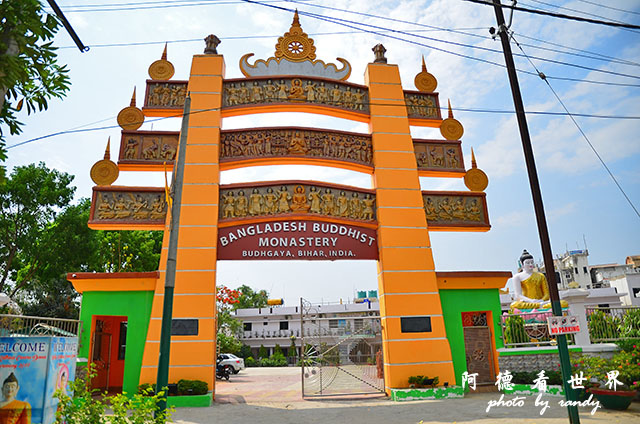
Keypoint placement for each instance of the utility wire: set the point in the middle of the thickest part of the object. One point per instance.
(543, 77)
(443, 41)
(559, 15)
(81, 129)
(573, 10)
(609, 7)
(350, 24)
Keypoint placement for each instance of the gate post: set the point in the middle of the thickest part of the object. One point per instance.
(406, 272)
(195, 288)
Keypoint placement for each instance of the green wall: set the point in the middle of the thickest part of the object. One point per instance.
(454, 302)
(136, 306)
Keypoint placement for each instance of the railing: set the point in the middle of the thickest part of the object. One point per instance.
(528, 329)
(615, 323)
(21, 325)
(330, 332)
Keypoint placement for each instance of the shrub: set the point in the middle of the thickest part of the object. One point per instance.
(275, 360)
(514, 330)
(146, 389)
(192, 387)
(245, 351)
(250, 362)
(262, 352)
(85, 408)
(278, 350)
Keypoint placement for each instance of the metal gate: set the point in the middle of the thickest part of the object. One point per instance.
(341, 355)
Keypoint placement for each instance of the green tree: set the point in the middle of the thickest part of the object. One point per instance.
(277, 350)
(67, 244)
(29, 201)
(29, 72)
(262, 352)
(250, 298)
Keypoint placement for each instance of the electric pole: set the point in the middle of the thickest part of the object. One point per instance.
(543, 232)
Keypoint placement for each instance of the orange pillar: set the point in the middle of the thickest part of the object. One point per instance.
(194, 356)
(406, 273)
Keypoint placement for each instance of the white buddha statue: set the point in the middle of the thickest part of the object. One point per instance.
(530, 289)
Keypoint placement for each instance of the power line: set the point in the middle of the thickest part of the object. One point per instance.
(80, 129)
(574, 10)
(609, 7)
(444, 41)
(560, 15)
(343, 22)
(584, 135)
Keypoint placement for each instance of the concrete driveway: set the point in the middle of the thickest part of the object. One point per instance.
(272, 395)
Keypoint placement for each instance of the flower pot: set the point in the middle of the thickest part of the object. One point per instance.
(613, 399)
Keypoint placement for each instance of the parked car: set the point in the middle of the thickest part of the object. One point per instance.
(230, 359)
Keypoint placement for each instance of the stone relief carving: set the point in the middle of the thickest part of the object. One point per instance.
(280, 142)
(296, 90)
(165, 95)
(129, 206)
(422, 105)
(454, 209)
(159, 147)
(444, 156)
(296, 199)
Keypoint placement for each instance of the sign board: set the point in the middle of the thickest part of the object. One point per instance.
(563, 325)
(39, 365)
(296, 239)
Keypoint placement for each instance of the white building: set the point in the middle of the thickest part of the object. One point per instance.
(625, 279)
(329, 323)
(572, 266)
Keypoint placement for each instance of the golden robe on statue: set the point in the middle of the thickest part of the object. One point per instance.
(535, 287)
(15, 412)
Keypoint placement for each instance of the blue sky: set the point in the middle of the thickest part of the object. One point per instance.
(581, 200)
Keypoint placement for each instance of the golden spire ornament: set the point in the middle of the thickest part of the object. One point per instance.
(424, 81)
(105, 172)
(161, 69)
(131, 118)
(451, 128)
(295, 45)
(475, 179)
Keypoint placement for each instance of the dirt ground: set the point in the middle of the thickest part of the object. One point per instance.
(273, 395)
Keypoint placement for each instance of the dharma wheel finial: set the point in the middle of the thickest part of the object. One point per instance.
(105, 172)
(424, 81)
(162, 69)
(295, 45)
(475, 179)
(131, 118)
(451, 128)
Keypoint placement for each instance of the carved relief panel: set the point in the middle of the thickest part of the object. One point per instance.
(451, 209)
(128, 205)
(242, 92)
(292, 197)
(153, 147)
(439, 155)
(165, 94)
(422, 105)
(295, 142)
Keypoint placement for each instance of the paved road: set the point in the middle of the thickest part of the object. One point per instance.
(272, 395)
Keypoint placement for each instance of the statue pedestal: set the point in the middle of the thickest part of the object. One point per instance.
(577, 299)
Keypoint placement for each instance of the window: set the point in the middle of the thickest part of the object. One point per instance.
(284, 325)
(358, 324)
(265, 322)
(584, 269)
(636, 291)
(333, 323)
(122, 340)
(247, 326)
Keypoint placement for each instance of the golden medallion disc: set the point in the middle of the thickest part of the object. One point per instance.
(425, 82)
(161, 70)
(451, 129)
(476, 180)
(130, 118)
(104, 172)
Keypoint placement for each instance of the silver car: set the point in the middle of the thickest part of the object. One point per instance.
(232, 360)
